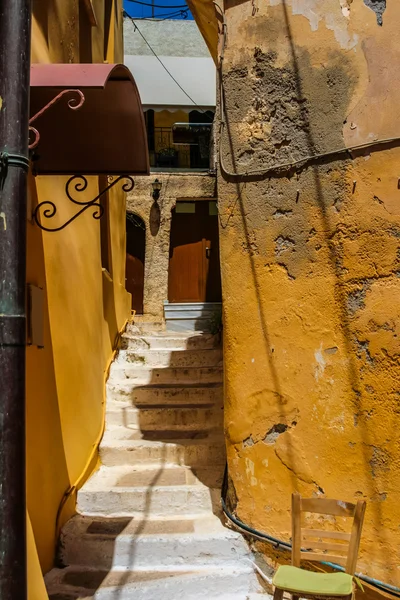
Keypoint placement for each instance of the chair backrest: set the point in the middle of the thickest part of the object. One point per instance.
(331, 546)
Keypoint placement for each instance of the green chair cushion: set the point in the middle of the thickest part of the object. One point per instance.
(300, 581)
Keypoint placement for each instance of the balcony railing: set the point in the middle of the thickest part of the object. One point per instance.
(165, 155)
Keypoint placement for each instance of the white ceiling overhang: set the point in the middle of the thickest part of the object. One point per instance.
(158, 91)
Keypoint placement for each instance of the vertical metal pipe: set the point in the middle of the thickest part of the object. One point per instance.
(15, 25)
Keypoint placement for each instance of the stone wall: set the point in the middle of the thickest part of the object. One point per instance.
(167, 38)
(157, 220)
(310, 259)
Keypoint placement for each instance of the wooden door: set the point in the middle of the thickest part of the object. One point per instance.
(135, 256)
(194, 272)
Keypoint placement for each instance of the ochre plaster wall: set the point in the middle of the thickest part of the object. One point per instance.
(85, 308)
(158, 226)
(310, 265)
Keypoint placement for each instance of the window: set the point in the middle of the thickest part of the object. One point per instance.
(105, 233)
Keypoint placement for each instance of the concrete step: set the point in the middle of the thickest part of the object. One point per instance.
(211, 584)
(166, 491)
(144, 375)
(190, 452)
(165, 340)
(210, 357)
(142, 324)
(179, 418)
(85, 543)
(195, 316)
(118, 433)
(129, 393)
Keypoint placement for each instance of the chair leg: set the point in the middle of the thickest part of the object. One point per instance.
(278, 594)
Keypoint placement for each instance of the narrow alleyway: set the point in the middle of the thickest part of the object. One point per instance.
(149, 525)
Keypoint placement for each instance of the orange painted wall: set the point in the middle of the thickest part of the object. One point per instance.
(85, 308)
(310, 262)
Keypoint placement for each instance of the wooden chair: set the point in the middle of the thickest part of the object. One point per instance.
(330, 546)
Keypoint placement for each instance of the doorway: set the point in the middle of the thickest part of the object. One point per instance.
(135, 256)
(194, 270)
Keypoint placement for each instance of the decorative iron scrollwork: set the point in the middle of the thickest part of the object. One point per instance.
(77, 183)
(74, 103)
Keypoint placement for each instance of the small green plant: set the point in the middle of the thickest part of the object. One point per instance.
(216, 322)
(167, 152)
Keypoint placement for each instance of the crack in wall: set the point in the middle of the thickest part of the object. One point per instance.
(300, 477)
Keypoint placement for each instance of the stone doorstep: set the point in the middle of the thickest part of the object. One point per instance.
(142, 525)
(111, 478)
(153, 551)
(162, 395)
(185, 452)
(160, 358)
(169, 341)
(173, 418)
(221, 583)
(162, 502)
(162, 435)
(144, 375)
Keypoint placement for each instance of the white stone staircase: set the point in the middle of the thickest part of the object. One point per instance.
(149, 525)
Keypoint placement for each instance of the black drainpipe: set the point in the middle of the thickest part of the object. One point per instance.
(15, 26)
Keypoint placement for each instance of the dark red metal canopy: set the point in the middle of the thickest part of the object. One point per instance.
(106, 135)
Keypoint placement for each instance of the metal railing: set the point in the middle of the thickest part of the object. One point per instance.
(164, 154)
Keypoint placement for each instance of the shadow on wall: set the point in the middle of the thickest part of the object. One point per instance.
(311, 142)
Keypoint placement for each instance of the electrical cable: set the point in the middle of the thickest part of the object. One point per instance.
(280, 544)
(165, 68)
(157, 5)
(182, 13)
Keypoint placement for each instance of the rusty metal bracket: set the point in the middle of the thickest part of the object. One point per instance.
(74, 103)
(77, 183)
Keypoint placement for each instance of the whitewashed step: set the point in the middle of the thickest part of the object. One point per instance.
(142, 325)
(144, 375)
(163, 435)
(190, 452)
(163, 501)
(167, 340)
(177, 418)
(107, 478)
(87, 543)
(213, 584)
(173, 491)
(170, 358)
(130, 393)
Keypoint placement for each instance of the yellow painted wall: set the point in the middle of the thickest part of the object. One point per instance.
(85, 308)
(310, 265)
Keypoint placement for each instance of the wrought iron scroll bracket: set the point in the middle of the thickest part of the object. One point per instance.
(77, 183)
(74, 103)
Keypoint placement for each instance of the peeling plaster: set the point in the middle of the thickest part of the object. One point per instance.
(315, 11)
(335, 326)
(345, 4)
(321, 363)
(4, 219)
(250, 471)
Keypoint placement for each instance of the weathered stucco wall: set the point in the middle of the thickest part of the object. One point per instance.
(310, 260)
(158, 226)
